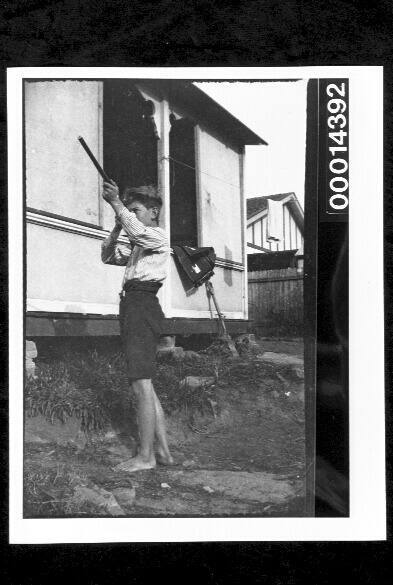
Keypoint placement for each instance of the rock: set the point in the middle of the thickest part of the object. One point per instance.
(208, 489)
(170, 353)
(196, 382)
(31, 349)
(30, 355)
(98, 497)
(166, 486)
(298, 372)
(192, 356)
(281, 359)
(263, 487)
(39, 429)
(189, 463)
(32, 438)
(246, 343)
(125, 497)
(167, 341)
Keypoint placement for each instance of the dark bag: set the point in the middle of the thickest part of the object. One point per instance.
(197, 264)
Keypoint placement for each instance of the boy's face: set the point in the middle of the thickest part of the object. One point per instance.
(146, 215)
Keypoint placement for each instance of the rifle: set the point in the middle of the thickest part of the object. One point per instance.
(94, 160)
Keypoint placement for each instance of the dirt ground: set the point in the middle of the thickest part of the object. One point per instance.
(245, 458)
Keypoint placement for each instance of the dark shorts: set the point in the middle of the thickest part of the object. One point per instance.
(141, 324)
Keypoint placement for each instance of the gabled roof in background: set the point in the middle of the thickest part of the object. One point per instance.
(256, 205)
(202, 108)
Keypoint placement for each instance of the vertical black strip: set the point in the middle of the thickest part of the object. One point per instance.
(332, 413)
(310, 287)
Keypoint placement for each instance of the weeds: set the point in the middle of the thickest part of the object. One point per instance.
(48, 492)
(93, 387)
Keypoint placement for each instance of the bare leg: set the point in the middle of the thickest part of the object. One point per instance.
(146, 414)
(164, 455)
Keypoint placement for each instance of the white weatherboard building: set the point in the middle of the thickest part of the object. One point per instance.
(275, 223)
(167, 132)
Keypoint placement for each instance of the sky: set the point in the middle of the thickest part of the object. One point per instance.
(276, 111)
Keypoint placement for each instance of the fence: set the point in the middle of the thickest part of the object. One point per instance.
(275, 302)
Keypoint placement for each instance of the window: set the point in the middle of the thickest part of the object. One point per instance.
(130, 137)
(183, 199)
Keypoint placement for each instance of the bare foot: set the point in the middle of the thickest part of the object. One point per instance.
(164, 458)
(135, 464)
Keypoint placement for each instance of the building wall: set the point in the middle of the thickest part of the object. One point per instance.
(58, 180)
(220, 203)
(229, 290)
(64, 269)
(292, 236)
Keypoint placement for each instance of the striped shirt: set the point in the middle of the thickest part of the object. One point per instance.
(146, 257)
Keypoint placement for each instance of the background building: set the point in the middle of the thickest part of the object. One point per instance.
(275, 243)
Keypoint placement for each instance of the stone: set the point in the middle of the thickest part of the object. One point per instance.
(31, 349)
(30, 368)
(208, 489)
(39, 429)
(192, 355)
(166, 342)
(263, 487)
(197, 382)
(189, 463)
(125, 497)
(170, 353)
(165, 486)
(98, 497)
(246, 344)
(281, 359)
(30, 355)
(298, 372)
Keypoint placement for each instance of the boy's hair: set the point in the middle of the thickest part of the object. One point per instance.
(145, 194)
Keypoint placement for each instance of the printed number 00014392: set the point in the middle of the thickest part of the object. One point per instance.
(338, 166)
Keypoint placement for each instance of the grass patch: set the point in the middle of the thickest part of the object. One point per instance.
(93, 386)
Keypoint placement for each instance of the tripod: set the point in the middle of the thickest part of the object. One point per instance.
(223, 333)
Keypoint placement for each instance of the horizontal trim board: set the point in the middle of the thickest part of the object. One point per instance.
(49, 325)
(229, 264)
(194, 314)
(63, 218)
(89, 230)
(81, 307)
(275, 279)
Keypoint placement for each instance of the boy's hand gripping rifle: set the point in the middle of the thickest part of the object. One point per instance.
(94, 160)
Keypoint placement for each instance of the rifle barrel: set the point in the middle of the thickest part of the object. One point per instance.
(93, 159)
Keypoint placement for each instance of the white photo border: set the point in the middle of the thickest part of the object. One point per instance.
(367, 519)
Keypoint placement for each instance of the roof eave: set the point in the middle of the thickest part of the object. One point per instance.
(203, 108)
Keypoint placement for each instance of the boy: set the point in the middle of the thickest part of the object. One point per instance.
(140, 313)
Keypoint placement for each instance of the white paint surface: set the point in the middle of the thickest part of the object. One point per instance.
(219, 192)
(276, 112)
(60, 177)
